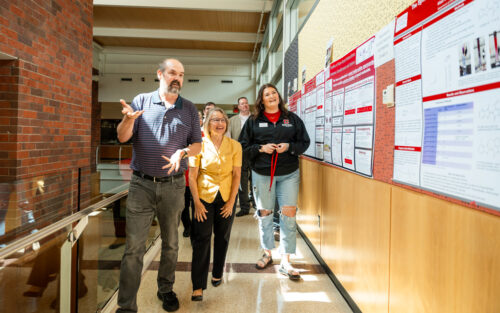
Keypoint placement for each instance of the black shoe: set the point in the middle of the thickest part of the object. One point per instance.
(170, 301)
(241, 213)
(216, 283)
(187, 232)
(197, 298)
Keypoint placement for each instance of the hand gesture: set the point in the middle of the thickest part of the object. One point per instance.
(128, 112)
(200, 212)
(174, 162)
(268, 148)
(227, 209)
(282, 147)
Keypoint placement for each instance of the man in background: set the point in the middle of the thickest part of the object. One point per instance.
(208, 106)
(235, 125)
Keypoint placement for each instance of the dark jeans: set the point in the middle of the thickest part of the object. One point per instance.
(243, 190)
(145, 200)
(188, 201)
(201, 235)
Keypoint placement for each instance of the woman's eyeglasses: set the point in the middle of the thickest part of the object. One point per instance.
(218, 120)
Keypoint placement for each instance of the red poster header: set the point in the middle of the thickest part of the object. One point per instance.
(407, 148)
(457, 7)
(417, 13)
(310, 85)
(292, 101)
(408, 80)
(345, 71)
(462, 92)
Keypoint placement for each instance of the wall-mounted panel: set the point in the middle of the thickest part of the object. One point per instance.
(355, 235)
(444, 257)
(309, 201)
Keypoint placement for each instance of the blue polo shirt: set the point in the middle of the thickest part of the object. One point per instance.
(159, 131)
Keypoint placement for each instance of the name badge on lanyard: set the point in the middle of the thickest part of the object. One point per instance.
(262, 124)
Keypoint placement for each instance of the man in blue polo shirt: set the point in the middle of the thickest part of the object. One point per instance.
(165, 130)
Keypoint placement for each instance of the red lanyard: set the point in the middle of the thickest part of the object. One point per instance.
(274, 161)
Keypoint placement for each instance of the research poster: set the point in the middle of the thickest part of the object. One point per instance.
(459, 85)
(384, 45)
(320, 135)
(337, 146)
(408, 97)
(348, 148)
(352, 94)
(293, 103)
(327, 144)
(309, 102)
(363, 161)
(320, 114)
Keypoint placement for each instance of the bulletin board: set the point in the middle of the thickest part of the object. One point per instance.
(440, 132)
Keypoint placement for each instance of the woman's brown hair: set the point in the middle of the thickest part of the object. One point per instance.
(259, 104)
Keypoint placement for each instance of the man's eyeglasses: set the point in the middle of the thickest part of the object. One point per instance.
(218, 120)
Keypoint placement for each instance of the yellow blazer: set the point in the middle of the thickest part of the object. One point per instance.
(216, 167)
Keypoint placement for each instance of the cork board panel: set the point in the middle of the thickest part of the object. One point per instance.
(350, 23)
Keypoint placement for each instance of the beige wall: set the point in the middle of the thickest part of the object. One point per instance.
(350, 23)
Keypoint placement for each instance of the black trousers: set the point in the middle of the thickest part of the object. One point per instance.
(243, 190)
(201, 235)
(188, 201)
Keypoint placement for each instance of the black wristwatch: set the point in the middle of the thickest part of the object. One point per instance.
(185, 155)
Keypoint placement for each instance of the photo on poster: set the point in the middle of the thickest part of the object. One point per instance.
(303, 75)
(479, 55)
(464, 60)
(329, 53)
(495, 49)
(327, 148)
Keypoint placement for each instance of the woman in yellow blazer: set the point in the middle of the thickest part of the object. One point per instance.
(214, 178)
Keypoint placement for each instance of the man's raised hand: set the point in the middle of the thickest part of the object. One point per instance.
(129, 112)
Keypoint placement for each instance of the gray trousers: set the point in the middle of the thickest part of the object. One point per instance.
(145, 200)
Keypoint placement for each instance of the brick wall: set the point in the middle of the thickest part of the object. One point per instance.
(383, 150)
(45, 106)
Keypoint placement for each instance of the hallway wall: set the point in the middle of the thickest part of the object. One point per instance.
(45, 107)
(394, 249)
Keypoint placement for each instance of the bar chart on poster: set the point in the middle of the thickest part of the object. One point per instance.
(447, 129)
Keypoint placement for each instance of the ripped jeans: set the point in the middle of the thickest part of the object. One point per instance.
(285, 189)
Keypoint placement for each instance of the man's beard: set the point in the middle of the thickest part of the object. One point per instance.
(174, 87)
